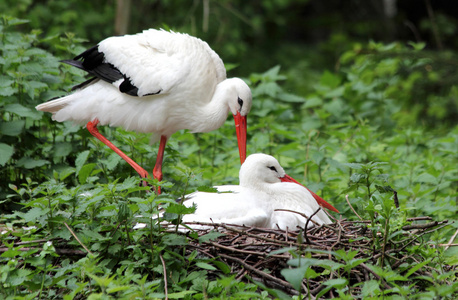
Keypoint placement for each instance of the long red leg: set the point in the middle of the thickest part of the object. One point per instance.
(157, 171)
(92, 127)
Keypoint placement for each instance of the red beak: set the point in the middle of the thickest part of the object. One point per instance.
(240, 128)
(318, 199)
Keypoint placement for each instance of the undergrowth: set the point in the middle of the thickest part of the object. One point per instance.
(69, 204)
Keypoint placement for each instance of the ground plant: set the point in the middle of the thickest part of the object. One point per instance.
(376, 137)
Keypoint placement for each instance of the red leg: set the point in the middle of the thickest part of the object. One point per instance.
(92, 127)
(157, 171)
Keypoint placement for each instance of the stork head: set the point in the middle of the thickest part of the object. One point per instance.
(240, 105)
(260, 169)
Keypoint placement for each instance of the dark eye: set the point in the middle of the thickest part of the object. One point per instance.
(273, 169)
(240, 101)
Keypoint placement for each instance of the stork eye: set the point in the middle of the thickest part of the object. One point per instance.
(240, 101)
(273, 169)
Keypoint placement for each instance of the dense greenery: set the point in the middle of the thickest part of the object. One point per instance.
(383, 120)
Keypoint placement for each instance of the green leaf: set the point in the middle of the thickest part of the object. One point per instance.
(416, 267)
(12, 128)
(10, 253)
(222, 266)
(206, 266)
(112, 161)
(329, 79)
(426, 178)
(354, 166)
(282, 250)
(85, 172)
(179, 209)
(337, 282)
(180, 295)
(356, 177)
(22, 111)
(290, 98)
(30, 163)
(295, 276)
(81, 160)
(34, 213)
(313, 102)
(213, 235)
(174, 240)
(62, 149)
(370, 288)
(6, 152)
(207, 189)
(64, 173)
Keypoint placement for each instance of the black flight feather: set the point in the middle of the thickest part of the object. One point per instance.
(93, 62)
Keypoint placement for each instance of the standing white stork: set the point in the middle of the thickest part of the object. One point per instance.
(156, 81)
(264, 188)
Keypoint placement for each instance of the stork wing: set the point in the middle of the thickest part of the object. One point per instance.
(148, 63)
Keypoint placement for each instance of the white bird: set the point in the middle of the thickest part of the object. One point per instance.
(155, 81)
(264, 188)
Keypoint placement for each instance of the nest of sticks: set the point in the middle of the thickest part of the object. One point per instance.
(248, 251)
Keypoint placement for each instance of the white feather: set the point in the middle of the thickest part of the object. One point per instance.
(254, 201)
(190, 77)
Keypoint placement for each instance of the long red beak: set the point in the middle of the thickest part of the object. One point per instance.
(318, 199)
(240, 128)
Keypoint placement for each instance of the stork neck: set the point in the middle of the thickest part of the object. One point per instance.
(215, 112)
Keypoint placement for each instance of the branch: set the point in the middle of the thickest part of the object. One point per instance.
(74, 235)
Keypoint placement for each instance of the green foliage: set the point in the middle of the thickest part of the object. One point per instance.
(359, 131)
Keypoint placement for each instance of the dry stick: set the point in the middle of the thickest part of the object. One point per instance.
(307, 225)
(74, 235)
(164, 270)
(385, 238)
(247, 251)
(395, 198)
(375, 275)
(450, 241)
(60, 251)
(338, 238)
(448, 245)
(37, 241)
(420, 226)
(425, 232)
(230, 228)
(348, 201)
(299, 213)
(419, 219)
(260, 273)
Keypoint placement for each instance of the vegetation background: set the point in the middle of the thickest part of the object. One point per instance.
(353, 97)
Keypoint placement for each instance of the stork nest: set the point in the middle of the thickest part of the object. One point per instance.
(254, 254)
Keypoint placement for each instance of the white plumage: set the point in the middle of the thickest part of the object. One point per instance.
(156, 81)
(263, 188)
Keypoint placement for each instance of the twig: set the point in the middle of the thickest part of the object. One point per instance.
(74, 235)
(425, 232)
(451, 240)
(395, 198)
(420, 226)
(246, 251)
(37, 241)
(433, 24)
(299, 213)
(375, 275)
(164, 270)
(60, 251)
(348, 201)
(260, 273)
(419, 219)
(307, 225)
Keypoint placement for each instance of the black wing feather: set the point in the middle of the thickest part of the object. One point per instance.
(93, 62)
